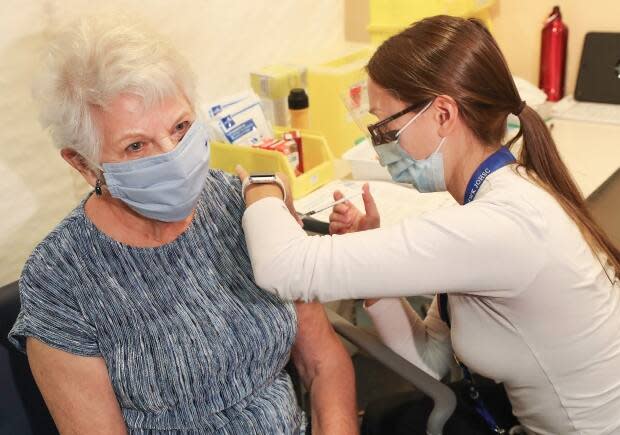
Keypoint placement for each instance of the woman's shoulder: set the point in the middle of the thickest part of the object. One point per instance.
(50, 311)
(223, 183)
(60, 243)
(222, 194)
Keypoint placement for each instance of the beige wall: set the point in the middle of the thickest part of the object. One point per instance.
(223, 39)
(517, 25)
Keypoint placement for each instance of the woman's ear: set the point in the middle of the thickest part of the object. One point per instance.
(447, 113)
(79, 163)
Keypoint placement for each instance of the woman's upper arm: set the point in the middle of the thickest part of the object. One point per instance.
(316, 343)
(76, 389)
(459, 249)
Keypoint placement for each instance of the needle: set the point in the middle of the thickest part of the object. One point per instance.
(333, 204)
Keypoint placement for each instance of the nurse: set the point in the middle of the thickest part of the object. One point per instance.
(528, 284)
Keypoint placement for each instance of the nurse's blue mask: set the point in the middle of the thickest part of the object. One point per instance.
(426, 175)
(165, 187)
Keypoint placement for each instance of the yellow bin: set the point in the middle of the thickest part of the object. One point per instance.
(318, 161)
(388, 17)
(328, 84)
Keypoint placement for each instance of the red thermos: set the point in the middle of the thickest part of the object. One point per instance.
(553, 56)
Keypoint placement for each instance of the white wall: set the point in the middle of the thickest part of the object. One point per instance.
(223, 39)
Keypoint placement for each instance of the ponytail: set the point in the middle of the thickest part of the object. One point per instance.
(542, 162)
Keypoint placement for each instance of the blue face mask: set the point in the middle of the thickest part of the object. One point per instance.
(426, 175)
(165, 187)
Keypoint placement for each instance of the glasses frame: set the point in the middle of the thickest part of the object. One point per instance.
(379, 137)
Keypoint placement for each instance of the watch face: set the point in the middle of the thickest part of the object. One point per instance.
(263, 175)
(262, 178)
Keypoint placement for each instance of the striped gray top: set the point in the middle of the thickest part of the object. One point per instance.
(191, 344)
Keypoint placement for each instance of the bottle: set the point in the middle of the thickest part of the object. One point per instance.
(553, 56)
(298, 108)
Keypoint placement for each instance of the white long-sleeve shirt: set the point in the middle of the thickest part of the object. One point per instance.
(530, 304)
(425, 343)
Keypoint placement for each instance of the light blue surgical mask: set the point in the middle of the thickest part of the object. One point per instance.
(426, 175)
(165, 187)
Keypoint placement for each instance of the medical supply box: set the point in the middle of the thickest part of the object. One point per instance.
(318, 161)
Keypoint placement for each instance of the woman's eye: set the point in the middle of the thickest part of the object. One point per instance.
(181, 127)
(135, 147)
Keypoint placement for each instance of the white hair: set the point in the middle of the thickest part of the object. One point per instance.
(94, 60)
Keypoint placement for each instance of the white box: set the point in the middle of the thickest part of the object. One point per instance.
(365, 164)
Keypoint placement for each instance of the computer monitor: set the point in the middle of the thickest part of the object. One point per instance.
(599, 70)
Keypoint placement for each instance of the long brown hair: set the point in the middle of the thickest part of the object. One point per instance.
(459, 57)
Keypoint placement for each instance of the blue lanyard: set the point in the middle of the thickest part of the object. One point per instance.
(479, 405)
(498, 159)
(495, 161)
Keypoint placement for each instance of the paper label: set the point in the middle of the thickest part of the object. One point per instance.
(233, 133)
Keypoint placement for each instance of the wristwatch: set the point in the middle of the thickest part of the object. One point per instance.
(263, 179)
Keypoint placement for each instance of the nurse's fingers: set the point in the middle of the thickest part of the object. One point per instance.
(241, 172)
(340, 218)
(338, 228)
(342, 208)
(369, 202)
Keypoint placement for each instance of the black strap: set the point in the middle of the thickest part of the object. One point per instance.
(443, 308)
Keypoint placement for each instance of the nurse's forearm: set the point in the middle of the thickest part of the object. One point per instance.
(273, 237)
(288, 262)
(458, 250)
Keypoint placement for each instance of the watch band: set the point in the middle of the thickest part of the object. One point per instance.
(263, 179)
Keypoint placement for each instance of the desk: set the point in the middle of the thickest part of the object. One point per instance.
(590, 151)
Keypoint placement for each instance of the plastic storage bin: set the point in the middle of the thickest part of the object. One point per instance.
(318, 161)
(328, 84)
(273, 84)
(388, 17)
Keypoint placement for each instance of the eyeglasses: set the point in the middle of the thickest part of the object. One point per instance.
(380, 137)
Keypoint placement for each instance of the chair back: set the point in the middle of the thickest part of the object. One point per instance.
(22, 409)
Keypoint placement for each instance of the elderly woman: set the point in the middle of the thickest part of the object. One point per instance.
(139, 312)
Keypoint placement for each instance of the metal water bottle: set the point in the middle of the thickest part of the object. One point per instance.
(553, 56)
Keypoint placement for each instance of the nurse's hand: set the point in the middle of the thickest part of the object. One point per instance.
(256, 192)
(346, 218)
